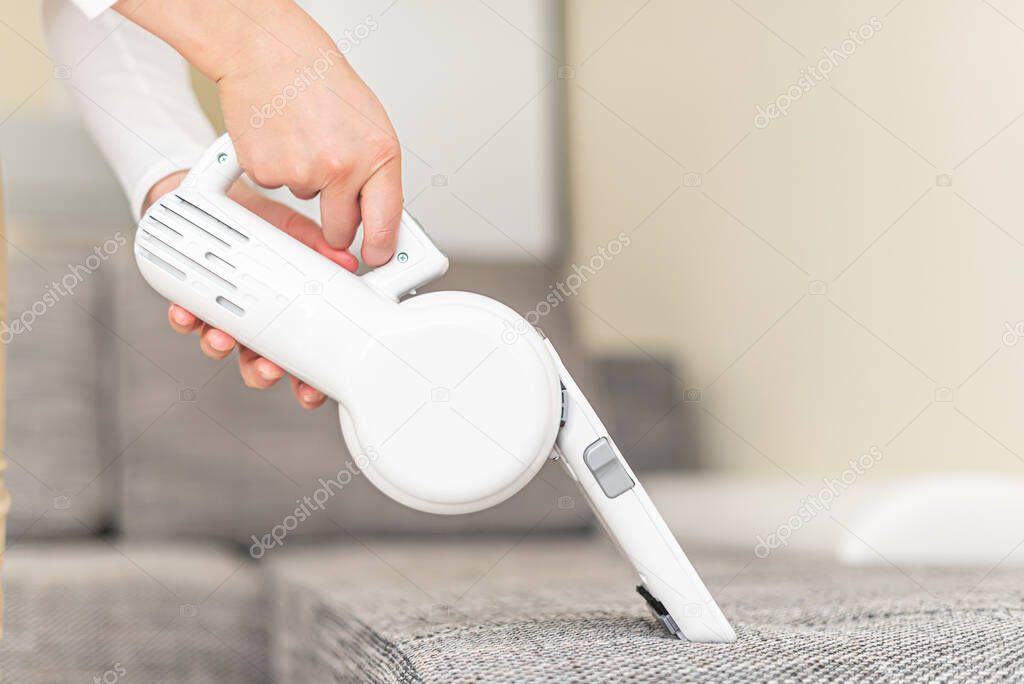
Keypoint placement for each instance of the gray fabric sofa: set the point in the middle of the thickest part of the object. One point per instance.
(562, 610)
(143, 475)
(164, 612)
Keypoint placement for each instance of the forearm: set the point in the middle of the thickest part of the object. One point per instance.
(221, 37)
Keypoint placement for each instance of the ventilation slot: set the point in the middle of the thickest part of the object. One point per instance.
(214, 259)
(190, 261)
(191, 223)
(231, 306)
(163, 225)
(149, 256)
(220, 224)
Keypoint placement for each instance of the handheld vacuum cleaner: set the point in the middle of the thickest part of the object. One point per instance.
(450, 401)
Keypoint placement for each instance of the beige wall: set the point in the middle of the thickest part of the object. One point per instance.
(816, 279)
(25, 70)
(26, 74)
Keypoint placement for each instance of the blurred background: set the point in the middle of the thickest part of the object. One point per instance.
(791, 231)
(837, 273)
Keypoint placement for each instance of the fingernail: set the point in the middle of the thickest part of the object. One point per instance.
(220, 341)
(267, 371)
(310, 395)
(181, 317)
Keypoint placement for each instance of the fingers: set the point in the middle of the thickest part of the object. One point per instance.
(378, 206)
(257, 372)
(162, 186)
(304, 192)
(182, 321)
(215, 343)
(299, 226)
(308, 232)
(339, 213)
(381, 211)
(265, 175)
(308, 397)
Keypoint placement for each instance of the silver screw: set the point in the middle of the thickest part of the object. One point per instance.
(222, 158)
(402, 257)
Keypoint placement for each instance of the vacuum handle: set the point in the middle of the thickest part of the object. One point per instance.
(217, 170)
(416, 261)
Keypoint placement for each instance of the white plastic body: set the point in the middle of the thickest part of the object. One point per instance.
(450, 402)
(410, 377)
(636, 527)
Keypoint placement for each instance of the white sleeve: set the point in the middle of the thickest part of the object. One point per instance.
(92, 8)
(132, 90)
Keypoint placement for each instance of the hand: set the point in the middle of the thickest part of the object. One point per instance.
(257, 372)
(301, 117)
(297, 112)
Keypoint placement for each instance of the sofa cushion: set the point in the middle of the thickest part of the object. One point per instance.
(58, 395)
(652, 417)
(207, 457)
(128, 612)
(558, 610)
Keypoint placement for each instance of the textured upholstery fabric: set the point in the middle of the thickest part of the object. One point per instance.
(207, 457)
(557, 610)
(57, 396)
(170, 613)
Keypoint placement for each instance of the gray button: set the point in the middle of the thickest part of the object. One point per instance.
(607, 468)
